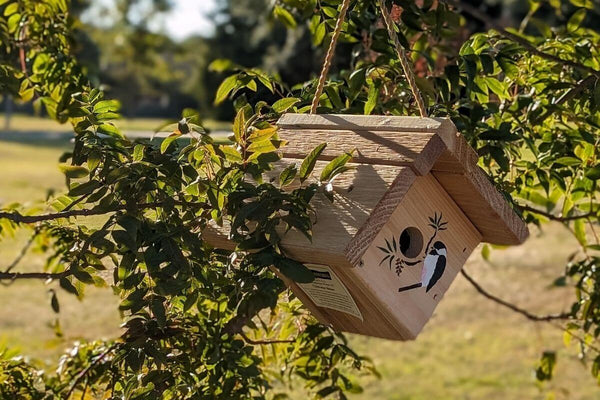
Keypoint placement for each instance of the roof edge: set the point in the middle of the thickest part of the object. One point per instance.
(363, 122)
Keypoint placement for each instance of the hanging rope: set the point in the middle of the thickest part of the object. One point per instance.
(329, 56)
(389, 23)
(408, 72)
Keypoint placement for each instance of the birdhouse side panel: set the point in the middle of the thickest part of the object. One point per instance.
(417, 254)
(347, 306)
(355, 193)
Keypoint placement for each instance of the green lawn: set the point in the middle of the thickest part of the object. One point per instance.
(472, 348)
(27, 123)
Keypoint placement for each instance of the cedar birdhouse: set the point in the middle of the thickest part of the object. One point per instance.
(403, 223)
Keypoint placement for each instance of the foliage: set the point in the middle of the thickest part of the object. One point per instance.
(135, 214)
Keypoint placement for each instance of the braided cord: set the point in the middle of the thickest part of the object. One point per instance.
(408, 72)
(329, 56)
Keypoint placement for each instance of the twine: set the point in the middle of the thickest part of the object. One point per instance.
(389, 23)
(329, 56)
(408, 72)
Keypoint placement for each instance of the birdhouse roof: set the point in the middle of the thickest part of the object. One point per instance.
(427, 146)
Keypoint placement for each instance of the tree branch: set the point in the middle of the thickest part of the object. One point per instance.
(553, 217)
(13, 276)
(33, 219)
(83, 373)
(491, 24)
(574, 91)
(23, 251)
(265, 342)
(525, 313)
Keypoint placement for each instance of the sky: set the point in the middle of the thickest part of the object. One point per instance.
(188, 17)
(191, 16)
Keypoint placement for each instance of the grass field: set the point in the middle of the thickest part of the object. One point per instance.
(27, 123)
(471, 349)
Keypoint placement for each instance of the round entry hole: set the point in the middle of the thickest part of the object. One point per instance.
(411, 242)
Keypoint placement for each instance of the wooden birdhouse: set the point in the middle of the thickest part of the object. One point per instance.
(403, 223)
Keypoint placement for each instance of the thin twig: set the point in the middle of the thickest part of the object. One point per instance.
(553, 217)
(83, 373)
(13, 276)
(574, 91)
(32, 219)
(491, 24)
(525, 313)
(23, 251)
(569, 95)
(266, 341)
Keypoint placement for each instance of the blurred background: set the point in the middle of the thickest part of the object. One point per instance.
(153, 56)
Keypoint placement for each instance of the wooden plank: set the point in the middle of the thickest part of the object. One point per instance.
(414, 149)
(380, 216)
(471, 189)
(442, 126)
(411, 309)
(487, 209)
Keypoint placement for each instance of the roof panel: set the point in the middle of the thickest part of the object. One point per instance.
(426, 145)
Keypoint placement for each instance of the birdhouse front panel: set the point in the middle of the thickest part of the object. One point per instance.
(417, 254)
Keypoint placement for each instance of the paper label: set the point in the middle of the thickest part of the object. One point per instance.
(327, 290)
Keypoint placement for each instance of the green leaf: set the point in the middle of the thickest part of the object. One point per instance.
(158, 310)
(285, 17)
(11, 9)
(168, 140)
(138, 152)
(282, 105)
(288, 175)
(262, 134)
(319, 34)
(371, 99)
(222, 65)
(334, 166)
(110, 130)
(583, 3)
(239, 125)
(105, 106)
(576, 19)
(73, 171)
(579, 230)
(308, 164)
(264, 146)
(84, 188)
(226, 87)
(54, 302)
(546, 366)
(593, 173)
(231, 154)
(485, 252)
(294, 270)
(568, 161)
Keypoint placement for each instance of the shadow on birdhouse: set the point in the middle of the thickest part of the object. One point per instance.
(402, 225)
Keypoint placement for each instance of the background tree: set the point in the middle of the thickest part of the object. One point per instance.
(208, 323)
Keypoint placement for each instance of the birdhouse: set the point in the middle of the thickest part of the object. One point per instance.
(402, 224)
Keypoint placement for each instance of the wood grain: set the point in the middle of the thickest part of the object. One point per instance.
(417, 150)
(410, 310)
(426, 145)
(443, 126)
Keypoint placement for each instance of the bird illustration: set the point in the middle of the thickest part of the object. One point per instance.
(433, 268)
